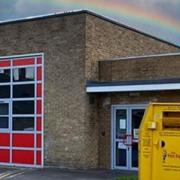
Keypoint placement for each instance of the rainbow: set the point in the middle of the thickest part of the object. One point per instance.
(125, 13)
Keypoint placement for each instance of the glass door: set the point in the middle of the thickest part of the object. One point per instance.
(121, 156)
(125, 128)
(136, 118)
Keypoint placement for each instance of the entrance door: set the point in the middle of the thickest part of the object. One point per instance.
(125, 125)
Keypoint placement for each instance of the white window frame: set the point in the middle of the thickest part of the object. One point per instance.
(35, 115)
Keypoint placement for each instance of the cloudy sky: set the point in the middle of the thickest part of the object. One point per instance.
(159, 18)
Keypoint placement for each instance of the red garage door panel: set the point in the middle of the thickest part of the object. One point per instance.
(23, 157)
(39, 142)
(23, 140)
(5, 63)
(39, 60)
(4, 139)
(22, 62)
(39, 106)
(4, 156)
(39, 73)
(39, 124)
(39, 90)
(39, 159)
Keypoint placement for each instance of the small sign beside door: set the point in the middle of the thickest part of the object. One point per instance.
(122, 124)
(136, 133)
(121, 145)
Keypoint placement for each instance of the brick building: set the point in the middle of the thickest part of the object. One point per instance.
(73, 89)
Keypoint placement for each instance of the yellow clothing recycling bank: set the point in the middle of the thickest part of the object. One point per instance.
(159, 146)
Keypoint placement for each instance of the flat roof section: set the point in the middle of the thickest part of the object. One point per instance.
(133, 86)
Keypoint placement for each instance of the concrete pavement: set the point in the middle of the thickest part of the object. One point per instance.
(60, 174)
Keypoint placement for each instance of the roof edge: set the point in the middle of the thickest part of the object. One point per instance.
(45, 16)
(133, 86)
(141, 57)
(61, 14)
(131, 82)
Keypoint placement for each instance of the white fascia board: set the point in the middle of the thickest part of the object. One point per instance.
(130, 88)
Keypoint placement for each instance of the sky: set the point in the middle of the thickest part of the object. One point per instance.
(160, 18)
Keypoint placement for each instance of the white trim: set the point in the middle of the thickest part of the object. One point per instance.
(140, 57)
(19, 83)
(35, 114)
(19, 148)
(112, 137)
(20, 165)
(42, 16)
(14, 57)
(42, 113)
(130, 88)
(23, 115)
(26, 66)
(11, 118)
(23, 132)
(19, 66)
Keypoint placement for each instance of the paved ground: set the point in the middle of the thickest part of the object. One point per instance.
(61, 174)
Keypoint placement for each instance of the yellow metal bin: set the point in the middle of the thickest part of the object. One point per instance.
(159, 145)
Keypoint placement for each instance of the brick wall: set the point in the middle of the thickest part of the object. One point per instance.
(151, 68)
(72, 46)
(62, 40)
(105, 40)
